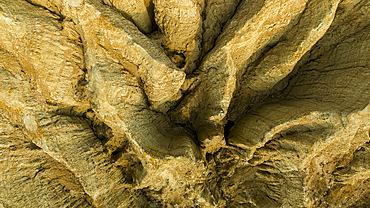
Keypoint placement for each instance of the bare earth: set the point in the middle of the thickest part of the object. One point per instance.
(184, 103)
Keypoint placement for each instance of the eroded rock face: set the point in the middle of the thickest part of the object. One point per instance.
(196, 103)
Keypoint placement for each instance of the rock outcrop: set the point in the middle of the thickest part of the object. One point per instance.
(195, 103)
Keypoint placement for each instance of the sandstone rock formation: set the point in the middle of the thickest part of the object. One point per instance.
(193, 103)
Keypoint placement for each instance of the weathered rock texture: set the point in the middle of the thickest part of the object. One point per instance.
(184, 103)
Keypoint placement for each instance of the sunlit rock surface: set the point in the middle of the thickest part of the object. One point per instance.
(196, 103)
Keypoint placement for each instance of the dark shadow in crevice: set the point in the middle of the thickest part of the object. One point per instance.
(178, 59)
(227, 128)
(61, 17)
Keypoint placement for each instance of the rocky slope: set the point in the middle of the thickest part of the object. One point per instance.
(193, 103)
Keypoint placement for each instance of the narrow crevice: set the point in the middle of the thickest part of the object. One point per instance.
(32, 146)
(228, 126)
(222, 29)
(61, 17)
(81, 91)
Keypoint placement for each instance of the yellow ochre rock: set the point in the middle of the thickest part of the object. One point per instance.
(184, 103)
